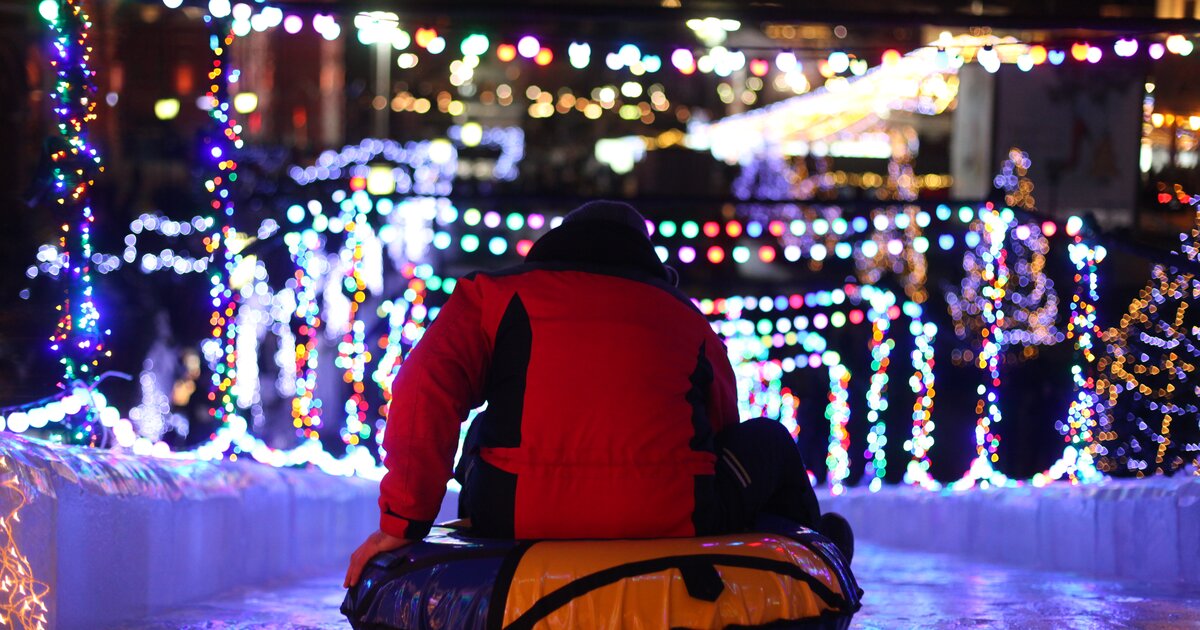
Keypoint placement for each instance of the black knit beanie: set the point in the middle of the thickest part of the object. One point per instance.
(609, 233)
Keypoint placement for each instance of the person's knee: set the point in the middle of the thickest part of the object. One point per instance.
(768, 429)
(758, 436)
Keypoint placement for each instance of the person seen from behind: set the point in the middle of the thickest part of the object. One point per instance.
(611, 407)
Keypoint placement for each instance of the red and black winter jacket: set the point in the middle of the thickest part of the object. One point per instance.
(604, 388)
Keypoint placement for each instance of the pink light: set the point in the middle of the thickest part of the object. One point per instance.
(528, 46)
(683, 60)
(687, 254)
(1049, 228)
(292, 24)
(1125, 47)
(1157, 50)
(1094, 53)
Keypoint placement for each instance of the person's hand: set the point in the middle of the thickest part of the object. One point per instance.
(377, 542)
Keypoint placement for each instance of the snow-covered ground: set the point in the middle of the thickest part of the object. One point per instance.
(903, 590)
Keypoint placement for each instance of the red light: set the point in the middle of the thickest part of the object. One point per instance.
(776, 228)
(733, 228)
(894, 312)
(766, 253)
(856, 316)
(759, 67)
(544, 57)
(358, 183)
(711, 229)
(1164, 197)
(715, 254)
(506, 52)
(523, 246)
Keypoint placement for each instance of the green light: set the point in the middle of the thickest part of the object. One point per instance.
(667, 229)
(475, 44)
(690, 229)
(49, 10)
(470, 243)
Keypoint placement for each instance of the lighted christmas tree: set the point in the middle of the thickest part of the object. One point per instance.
(1147, 376)
(1030, 303)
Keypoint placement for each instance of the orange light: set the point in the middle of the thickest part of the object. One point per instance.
(891, 57)
(733, 228)
(544, 57)
(506, 52)
(424, 36)
(759, 67)
(711, 229)
(1049, 228)
(1079, 51)
(358, 183)
(1037, 54)
(766, 253)
(715, 254)
(776, 228)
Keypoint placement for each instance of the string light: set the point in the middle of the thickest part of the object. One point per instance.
(78, 339)
(995, 274)
(22, 595)
(1078, 430)
(880, 348)
(922, 384)
(224, 243)
(1146, 378)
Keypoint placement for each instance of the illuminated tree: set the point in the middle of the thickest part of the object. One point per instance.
(1147, 376)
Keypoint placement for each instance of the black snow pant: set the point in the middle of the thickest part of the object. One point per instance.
(759, 472)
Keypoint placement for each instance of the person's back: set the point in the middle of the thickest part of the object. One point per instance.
(604, 386)
(611, 407)
(598, 419)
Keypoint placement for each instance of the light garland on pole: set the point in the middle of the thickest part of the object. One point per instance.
(1077, 461)
(78, 339)
(995, 275)
(880, 348)
(922, 384)
(223, 244)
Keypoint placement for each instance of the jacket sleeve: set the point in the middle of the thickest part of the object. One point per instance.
(437, 386)
(723, 397)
